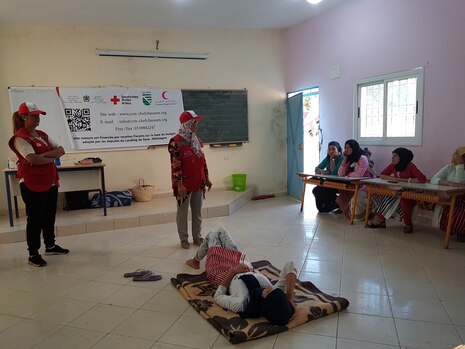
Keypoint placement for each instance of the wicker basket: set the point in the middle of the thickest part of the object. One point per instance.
(143, 192)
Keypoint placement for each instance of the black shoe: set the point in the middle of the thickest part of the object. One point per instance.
(56, 250)
(376, 224)
(328, 207)
(37, 261)
(338, 211)
(408, 229)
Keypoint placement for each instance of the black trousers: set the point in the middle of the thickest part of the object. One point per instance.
(325, 198)
(41, 208)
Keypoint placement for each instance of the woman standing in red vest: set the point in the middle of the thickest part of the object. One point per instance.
(38, 180)
(189, 176)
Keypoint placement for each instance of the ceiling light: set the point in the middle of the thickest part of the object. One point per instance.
(314, 2)
(151, 54)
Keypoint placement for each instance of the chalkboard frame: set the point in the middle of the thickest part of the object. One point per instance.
(225, 124)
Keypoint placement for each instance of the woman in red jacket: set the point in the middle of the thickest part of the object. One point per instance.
(38, 180)
(402, 169)
(189, 176)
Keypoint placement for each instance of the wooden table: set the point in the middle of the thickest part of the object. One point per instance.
(335, 182)
(427, 192)
(72, 178)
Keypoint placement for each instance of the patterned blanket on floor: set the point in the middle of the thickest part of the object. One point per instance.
(311, 304)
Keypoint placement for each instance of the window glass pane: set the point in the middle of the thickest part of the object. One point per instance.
(401, 107)
(371, 110)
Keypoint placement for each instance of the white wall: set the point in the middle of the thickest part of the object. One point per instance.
(251, 59)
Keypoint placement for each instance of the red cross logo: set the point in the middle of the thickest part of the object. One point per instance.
(115, 100)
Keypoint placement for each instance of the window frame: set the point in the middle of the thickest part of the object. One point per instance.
(417, 139)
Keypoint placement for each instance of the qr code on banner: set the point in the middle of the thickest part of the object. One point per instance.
(78, 119)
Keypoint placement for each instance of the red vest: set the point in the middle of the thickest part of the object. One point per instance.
(37, 178)
(192, 166)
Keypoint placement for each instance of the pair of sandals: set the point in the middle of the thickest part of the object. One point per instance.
(142, 275)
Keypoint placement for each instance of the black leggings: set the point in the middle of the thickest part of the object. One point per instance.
(41, 208)
(325, 198)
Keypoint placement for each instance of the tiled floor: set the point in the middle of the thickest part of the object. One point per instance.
(405, 291)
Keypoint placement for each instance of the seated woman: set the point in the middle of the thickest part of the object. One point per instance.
(452, 174)
(403, 170)
(242, 289)
(325, 198)
(362, 197)
(371, 163)
(354, 165)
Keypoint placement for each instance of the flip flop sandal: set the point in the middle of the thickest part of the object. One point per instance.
(138, 272)
(147, 277)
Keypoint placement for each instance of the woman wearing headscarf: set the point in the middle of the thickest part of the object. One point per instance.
(355, 164)
(452, 174)
(362, 197)
(189, 176)
(403, 170)
(325, 198)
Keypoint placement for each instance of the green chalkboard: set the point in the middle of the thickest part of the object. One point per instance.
(225, 113)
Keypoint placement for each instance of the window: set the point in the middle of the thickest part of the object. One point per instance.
(389, 109)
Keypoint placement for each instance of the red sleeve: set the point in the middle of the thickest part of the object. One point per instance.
(388, 170)
(176, 162)
(416, 173)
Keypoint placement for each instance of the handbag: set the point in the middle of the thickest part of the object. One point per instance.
(112, 198)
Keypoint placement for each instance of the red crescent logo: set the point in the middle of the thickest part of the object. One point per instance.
(163, 95)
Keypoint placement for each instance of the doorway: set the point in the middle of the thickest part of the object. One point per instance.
(304, 136)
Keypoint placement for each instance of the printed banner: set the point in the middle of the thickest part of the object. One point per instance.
(80, 118)
(121, 117)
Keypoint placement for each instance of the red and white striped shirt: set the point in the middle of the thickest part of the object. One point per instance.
(220, 260)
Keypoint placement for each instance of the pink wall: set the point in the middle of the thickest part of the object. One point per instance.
(376, 37)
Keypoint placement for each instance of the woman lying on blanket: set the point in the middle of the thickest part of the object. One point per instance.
(242, 289)
(401, 169)
(452, 174)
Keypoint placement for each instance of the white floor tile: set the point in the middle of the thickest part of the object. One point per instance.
(353, 344)
(291, 340)
(190, 332)
(411, 289)
(146, 324)
(367, 328)
(369, 304)
(72, 338)
(419, 309)
(26, 334)
(63, 311)
(84, 300)
(167, 302)
(120, 342)
(102, 318)
(427, 335)
(130, 296)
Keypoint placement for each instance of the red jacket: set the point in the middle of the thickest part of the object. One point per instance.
(411, 171)
(37, 178)
(192, 166)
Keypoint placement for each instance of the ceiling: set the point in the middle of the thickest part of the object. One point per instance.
(198, 14)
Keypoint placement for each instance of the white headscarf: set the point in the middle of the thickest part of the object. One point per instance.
(190, 137)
